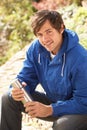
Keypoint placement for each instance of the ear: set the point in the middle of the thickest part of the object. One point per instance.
(62, 28)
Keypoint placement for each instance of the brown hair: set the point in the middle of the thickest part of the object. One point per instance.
(40, 17)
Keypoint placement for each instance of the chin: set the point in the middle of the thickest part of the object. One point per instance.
(49, 49)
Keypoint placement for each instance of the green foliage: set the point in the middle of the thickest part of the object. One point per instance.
(3, 60)
(75, 18)
(80, 16)
(77, 2)
(80, 24)
(15, 16)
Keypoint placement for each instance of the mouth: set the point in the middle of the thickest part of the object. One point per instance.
(48, 44)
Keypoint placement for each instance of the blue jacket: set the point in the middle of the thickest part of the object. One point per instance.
(64, 78)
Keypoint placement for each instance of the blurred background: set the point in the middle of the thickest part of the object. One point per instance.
(16, 36)
(15, 30)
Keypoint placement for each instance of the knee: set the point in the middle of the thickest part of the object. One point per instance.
(70, 122)
(7, 102)
(4, 98)
(62, 124)
(59, 125)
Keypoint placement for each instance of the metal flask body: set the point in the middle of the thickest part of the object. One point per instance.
(27, 96)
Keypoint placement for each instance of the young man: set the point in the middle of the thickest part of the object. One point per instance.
(58, 62)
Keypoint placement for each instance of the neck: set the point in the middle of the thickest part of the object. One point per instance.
(56, 50)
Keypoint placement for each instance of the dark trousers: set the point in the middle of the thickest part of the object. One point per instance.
(11, 116)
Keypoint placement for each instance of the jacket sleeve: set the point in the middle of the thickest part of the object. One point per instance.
(28, 73)
(78, 103)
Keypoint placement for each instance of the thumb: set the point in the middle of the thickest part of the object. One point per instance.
(24, 84)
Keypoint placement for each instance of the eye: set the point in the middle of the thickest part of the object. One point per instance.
(49, 32)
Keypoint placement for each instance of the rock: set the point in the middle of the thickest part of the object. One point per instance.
(9, 70)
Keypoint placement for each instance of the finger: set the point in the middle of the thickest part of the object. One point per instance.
(18, 95)
(29, 109)
(24, 84)
(18, 98)
(32, 114)
(30, 104)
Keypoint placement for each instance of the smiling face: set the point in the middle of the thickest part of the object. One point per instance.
(50, 38)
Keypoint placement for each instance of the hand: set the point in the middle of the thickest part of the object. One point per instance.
(37, 109)
(17, 93)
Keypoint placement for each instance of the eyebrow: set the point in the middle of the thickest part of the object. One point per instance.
(44, 31)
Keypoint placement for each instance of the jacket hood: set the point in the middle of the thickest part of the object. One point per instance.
(72, 39)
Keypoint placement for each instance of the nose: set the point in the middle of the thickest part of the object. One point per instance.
(45, 38)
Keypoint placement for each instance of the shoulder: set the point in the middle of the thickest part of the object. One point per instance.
(33, 47)
(34, 44)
